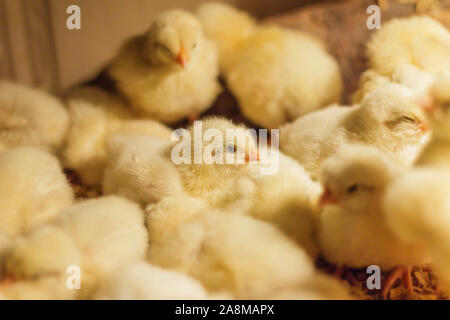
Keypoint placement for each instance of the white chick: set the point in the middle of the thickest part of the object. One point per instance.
(233, 252)
(388, 118)
(109, 232)
(31, 117)
(147, 175)
(352, 230)
(418, 40)
(142, 281)
(287, 200)
(437, 152)
(35, 266)
(276, 74)
(171, 71)
(417, 209)
(33, 189)
(95, 114)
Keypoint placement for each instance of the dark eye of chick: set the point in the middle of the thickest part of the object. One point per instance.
(231, 148)
(408, 119)
(352, 188)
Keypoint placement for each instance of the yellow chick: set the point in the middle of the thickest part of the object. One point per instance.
(35, 266)
(233, 252)
(276, 74)
(409, 51)
(171, 71)
(143, 281)
(95, 114)
(418, 40)
(417, 206)
(352, 230)
(437, 152)
(147, 175)
(31, 117)
(33, 189)
(109, 233)
(388, 118)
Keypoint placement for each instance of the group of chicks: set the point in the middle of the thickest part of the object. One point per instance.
(358, 185)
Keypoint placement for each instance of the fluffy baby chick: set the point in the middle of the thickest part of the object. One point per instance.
(418, 40)
(171, 71)
(437, 152)
(147, 175)
(95, 115)
(142, 281)
(30, 117)
(276, 74)
(35, 266)
(352, 230)
(233, 252)
(287, 200)
(388, 118)
(109, 232)
(33, 189)
(417, 208)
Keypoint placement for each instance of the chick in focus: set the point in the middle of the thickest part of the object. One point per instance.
(33, 189)
(352, 229)
(233, 252)
(171, 71)
(96, 114)
(143, 281)
(147, 175)
(276, 74)
(109, 233)
(35, 266)
(30, 117)
(388, 118)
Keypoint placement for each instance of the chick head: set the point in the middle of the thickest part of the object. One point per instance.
(355, 177)
(224, 146)
(47, 251)
(437, 106)
(392, 114)
(173, 38)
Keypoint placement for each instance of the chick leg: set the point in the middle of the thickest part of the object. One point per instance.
(403, 273)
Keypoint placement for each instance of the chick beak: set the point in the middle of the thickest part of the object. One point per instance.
(423, 127)
(183, 57)
(252, 156)
(327, 198)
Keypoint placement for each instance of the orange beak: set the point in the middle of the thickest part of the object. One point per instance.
(327, 198)
(183, 57)
(252, 156)
(423, 127)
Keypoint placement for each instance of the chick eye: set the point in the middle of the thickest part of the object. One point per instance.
(231, 148)
(352, 188)
(408, 119)
(162, 47)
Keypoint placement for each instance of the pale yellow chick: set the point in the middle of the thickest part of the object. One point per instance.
(388, 118)
(276, 74)
(229, 251)
(35, 266)
(96, 114)
(147, 170)
(33, 189)
(31, 117)
(143, 281)
(109, 233)
(171, 71)
(352, 229)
